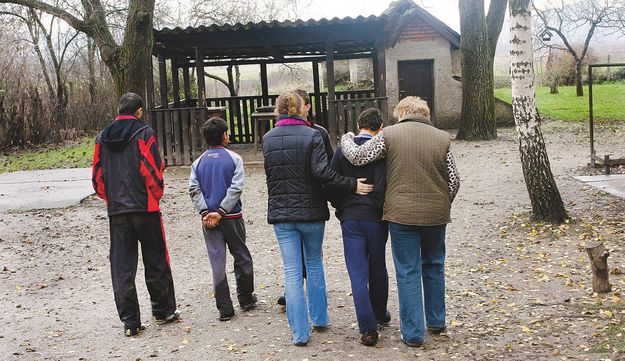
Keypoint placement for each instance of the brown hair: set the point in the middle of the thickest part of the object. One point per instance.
(289, 103)
(304, 94)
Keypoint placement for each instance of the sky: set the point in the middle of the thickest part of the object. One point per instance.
(444, 10)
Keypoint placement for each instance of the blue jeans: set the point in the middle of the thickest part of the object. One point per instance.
(364, 245)
(292, 238)
(419, 253)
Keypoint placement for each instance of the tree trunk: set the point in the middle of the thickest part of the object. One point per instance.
(231, 81)
(579, 88)
(478, 43)
(553, 87)
(128, 62)
(598, 255)
(130, 69)
(237, 80)
(91, 67)
(543, 192)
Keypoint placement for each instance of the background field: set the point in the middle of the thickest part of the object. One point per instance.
(608, 101)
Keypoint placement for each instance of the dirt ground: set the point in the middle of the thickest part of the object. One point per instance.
(515, 290)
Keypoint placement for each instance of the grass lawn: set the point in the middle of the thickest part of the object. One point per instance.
(608, 102)
(77, 154)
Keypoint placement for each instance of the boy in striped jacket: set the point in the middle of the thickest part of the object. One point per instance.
(215, 187)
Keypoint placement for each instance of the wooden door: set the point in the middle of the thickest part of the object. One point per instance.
(416, 78)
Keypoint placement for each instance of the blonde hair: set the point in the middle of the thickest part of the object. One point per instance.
(289, 103)
(411, 106)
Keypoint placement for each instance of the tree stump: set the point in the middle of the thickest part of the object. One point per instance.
(598, 255)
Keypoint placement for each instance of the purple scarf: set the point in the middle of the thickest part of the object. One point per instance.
(290, 121)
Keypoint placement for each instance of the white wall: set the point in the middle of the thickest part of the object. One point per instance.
(447, 91)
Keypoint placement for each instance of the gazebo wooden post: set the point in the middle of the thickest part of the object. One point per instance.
(175, 82)
(376, 73)
(201, 85)
(149, 86)
(380, 47)
(264, 86)
(162, 75)
(317, 91)
(186, 85)
(332, 123)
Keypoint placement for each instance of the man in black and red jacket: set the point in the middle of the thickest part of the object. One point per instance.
(128, 175)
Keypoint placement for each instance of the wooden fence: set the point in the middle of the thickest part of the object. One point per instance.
(240, 108)
(179, 132)
(348, 110)
(179, 129)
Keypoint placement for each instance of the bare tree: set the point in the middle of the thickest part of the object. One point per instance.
(585, 18)
(127, 61)
(241, 11)
(57, 91)
(480, 33)
(543, 192)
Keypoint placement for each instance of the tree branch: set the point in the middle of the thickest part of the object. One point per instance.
(219, 79)
(53, 10)
(494, 21)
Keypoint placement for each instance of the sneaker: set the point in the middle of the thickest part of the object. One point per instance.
(250, 305)
(369, 338)
(384, 320)
(412, 343)
(437, 330)
(133, 331)
(223, 317)
(168, 319)
(301, 344)
(282, 301)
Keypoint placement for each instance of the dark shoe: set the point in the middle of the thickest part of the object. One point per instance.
(133, 331)
(320, 328)
(226, 316)
(412, 343)
(282, 301)
(384, 320)
(437, 330)
(250, 304)
(301, 344)
(369, 338)
(168, 319)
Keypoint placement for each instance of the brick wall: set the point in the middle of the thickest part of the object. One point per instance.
(420, 31)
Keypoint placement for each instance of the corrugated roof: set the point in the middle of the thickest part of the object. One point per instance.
(273, 25)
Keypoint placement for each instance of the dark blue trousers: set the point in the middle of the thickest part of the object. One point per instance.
(364, 244)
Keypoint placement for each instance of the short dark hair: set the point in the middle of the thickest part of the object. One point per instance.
(304, 94)
(213, 130)
(370, 119)
(129, 103)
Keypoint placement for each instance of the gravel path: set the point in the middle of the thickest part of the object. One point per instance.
(515, 290)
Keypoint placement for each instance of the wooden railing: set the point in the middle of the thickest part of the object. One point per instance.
(179, 132)
(347, 111)
(179, 129)
(240, 108)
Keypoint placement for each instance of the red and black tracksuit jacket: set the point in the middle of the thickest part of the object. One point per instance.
(128, 175)
(127, 167)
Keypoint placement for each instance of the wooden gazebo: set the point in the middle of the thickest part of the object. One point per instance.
(313, 41)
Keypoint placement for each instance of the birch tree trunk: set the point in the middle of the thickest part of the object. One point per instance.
(543, 192)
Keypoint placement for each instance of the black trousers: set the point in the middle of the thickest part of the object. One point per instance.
(147, 228)
(230, 233)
